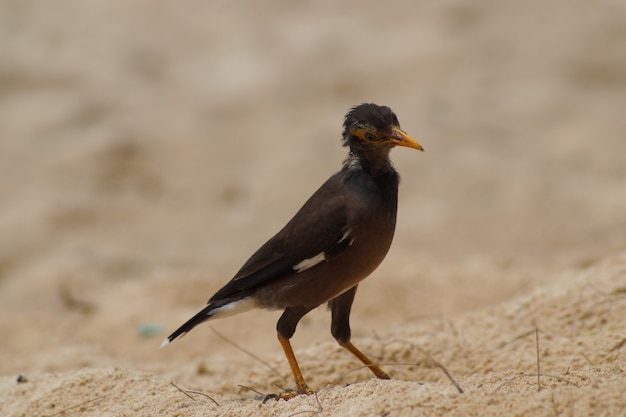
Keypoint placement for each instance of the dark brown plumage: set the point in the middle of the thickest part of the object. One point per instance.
(340, 235)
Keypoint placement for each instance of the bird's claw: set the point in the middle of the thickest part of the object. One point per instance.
(288, 395)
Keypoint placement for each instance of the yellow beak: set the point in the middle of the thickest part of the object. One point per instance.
(400, 138)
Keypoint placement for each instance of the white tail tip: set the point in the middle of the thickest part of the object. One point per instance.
(165, 342)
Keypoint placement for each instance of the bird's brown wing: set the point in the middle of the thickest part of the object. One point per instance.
(319, 228)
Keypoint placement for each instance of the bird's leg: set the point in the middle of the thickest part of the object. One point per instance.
(302, 387)
(340, 328)
(380, 374)
(286, 327)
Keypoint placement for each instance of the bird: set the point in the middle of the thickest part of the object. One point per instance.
(337, 238)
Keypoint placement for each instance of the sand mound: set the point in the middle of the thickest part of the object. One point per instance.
(491, 354)
(147, 148)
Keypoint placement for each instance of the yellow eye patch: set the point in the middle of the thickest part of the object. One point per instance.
(366, 135)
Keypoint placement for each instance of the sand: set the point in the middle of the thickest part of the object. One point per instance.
(148, 148)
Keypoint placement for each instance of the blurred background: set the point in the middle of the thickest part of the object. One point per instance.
(147, 148)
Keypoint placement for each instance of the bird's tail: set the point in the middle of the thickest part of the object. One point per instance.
(205, 314)
(212, 311)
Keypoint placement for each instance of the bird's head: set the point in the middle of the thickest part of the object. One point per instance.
(369, 126)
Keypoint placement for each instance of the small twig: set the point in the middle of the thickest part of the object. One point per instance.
(252, 355)
(187, 392)
(204, 395)
(428, 356)
(182, 390)
(515, 339)
(587, 359)
(443, 368)
(538, 359)
(319, 403)
(617, 346)
(435, 362)
(315, 412)
(558, 378)
(252, 389)
(79, 405)
(281, 387)
(445, 371)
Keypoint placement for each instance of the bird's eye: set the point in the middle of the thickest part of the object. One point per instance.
(369, 137)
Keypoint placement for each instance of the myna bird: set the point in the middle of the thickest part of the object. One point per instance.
(340, 235)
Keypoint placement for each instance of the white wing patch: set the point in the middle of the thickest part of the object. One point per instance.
(309, 263)
(345, 236)
(320, 257)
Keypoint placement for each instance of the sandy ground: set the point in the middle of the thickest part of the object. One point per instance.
(147, 148)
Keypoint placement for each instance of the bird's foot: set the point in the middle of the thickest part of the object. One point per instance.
(288, 395)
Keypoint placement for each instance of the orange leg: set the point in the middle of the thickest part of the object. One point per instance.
(356, 352)
(302, 387)
(340, 328)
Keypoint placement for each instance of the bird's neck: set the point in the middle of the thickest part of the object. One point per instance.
(375, 163)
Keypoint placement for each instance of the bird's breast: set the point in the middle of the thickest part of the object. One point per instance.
(370, 224)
